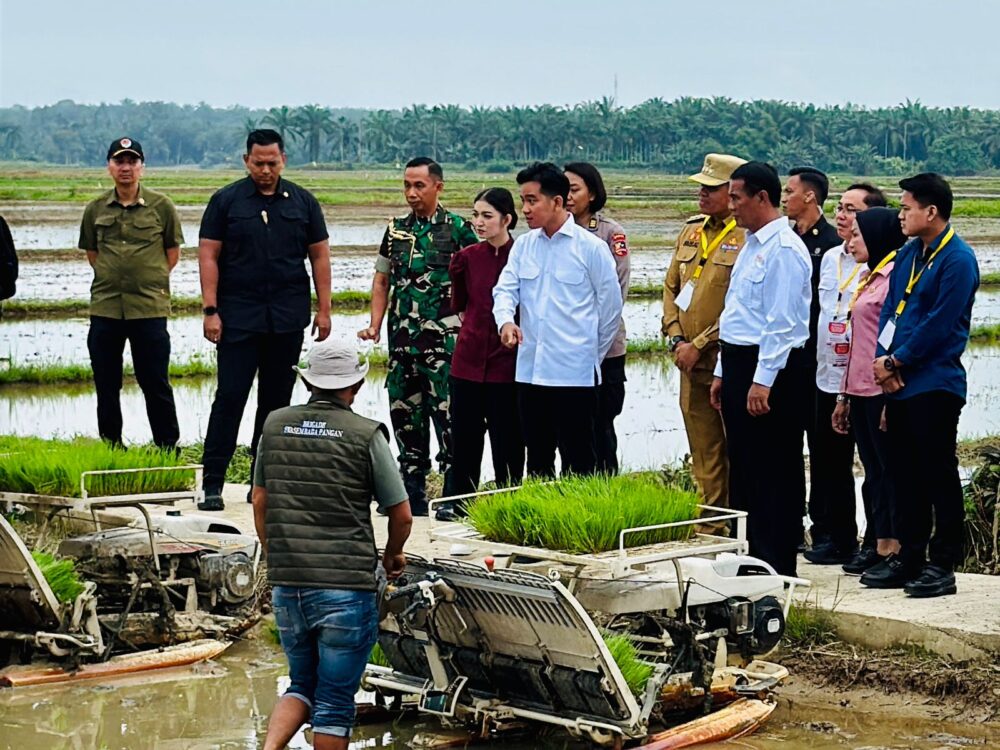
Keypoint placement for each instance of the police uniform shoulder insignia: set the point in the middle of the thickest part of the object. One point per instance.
(619, 245)
(695, 219)
(592, 225)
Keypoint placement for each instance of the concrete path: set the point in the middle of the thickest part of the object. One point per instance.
(964, 626)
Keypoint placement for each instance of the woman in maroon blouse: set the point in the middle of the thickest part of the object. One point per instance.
(482, 370)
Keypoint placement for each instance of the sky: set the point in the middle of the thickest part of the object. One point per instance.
(390, 54)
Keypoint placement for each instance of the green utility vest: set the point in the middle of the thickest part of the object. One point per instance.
(319, 480)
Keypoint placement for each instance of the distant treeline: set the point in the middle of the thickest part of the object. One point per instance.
(671, 136)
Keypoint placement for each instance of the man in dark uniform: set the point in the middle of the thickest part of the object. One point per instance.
(255, 236)
(132, 236)
(411, 282)
(831, 456)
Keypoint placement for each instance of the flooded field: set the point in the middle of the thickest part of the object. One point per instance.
(225, 705)
(352, 269)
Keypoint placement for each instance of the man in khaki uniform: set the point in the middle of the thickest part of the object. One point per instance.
(693, 295)
(132, 237)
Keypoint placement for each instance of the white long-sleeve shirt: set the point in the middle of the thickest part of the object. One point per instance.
(839, 275)
(570, 304)
(767, 304)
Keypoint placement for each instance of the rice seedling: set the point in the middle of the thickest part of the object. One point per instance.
(584, 515)
(635, 671)
(60, 575)
(378, 657)
(54, 467)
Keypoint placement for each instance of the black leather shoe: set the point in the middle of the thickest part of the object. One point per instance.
(418, 507)
(447, 514)
(212, 502)
(829, 554)
(932, 581)
(866, 558)
(891, 573)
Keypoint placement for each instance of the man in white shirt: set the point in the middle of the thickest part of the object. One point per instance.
(561, 281)
(832, 499)
(761, 381)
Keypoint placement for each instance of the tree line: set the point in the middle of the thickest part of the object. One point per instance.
(671, 136)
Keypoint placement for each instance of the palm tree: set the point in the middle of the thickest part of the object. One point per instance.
(313, 122)
(282, 119)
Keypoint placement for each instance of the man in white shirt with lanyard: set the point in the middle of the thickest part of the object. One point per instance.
(832, 497)
(561, 280)
(761, 382)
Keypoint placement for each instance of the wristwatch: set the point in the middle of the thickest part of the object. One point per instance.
(210, 310)
(842, 398)
(674, 341)
(889, 364)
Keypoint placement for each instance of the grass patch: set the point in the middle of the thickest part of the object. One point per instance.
(61, 576)
(585, 515)
(53, 467)
(53, 373)
(985, 334)
(990, 279)
(626, 656)
(808, 625)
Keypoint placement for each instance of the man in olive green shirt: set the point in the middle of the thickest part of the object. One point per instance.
(132, 237)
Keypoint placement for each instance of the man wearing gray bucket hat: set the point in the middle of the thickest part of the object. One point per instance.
(319, 465)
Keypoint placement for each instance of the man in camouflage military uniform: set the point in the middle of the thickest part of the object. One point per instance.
(411, 282)
(693, 295)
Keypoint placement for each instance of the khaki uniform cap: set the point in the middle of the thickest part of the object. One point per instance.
(717, 169)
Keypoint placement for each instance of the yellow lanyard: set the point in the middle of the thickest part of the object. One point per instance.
(706, 249)
(868, 280)
(915, 275)
(842, 286)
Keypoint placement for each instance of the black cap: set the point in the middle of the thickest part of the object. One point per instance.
(125, 146)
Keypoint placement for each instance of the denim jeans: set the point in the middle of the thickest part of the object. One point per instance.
(327, 635)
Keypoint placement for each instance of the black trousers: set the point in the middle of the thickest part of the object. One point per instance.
(766, 467)
(150, 344)
(610, 400)
(270, 357)
(877, 490)
(922, 434)
(832, 499)
(558, 417)
(476, 408)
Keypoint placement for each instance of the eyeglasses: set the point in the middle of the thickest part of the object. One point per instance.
(842, 209)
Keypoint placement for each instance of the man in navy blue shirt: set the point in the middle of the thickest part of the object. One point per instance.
(924, 329)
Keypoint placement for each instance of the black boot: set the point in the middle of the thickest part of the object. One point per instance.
(891, 573)
(212, 501)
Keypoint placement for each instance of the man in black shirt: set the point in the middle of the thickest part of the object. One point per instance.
(831, 456)
(255, 236)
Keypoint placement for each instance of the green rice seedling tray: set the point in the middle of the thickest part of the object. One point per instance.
(617, 563)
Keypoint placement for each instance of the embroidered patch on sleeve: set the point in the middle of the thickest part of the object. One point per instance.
(619, 245)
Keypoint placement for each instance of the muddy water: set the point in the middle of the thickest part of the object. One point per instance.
(65, 340)
(225, 706)
(650, 428)
(350, 268)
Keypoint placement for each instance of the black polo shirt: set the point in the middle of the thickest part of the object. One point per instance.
(263, 281)
(819, 238)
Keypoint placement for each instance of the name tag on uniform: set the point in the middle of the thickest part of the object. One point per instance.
(885, 338)
(683, 300)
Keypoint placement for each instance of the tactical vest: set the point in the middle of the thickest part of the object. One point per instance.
(319, 481)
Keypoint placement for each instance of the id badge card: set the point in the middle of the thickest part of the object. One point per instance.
(683, 300)
(885, 338)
